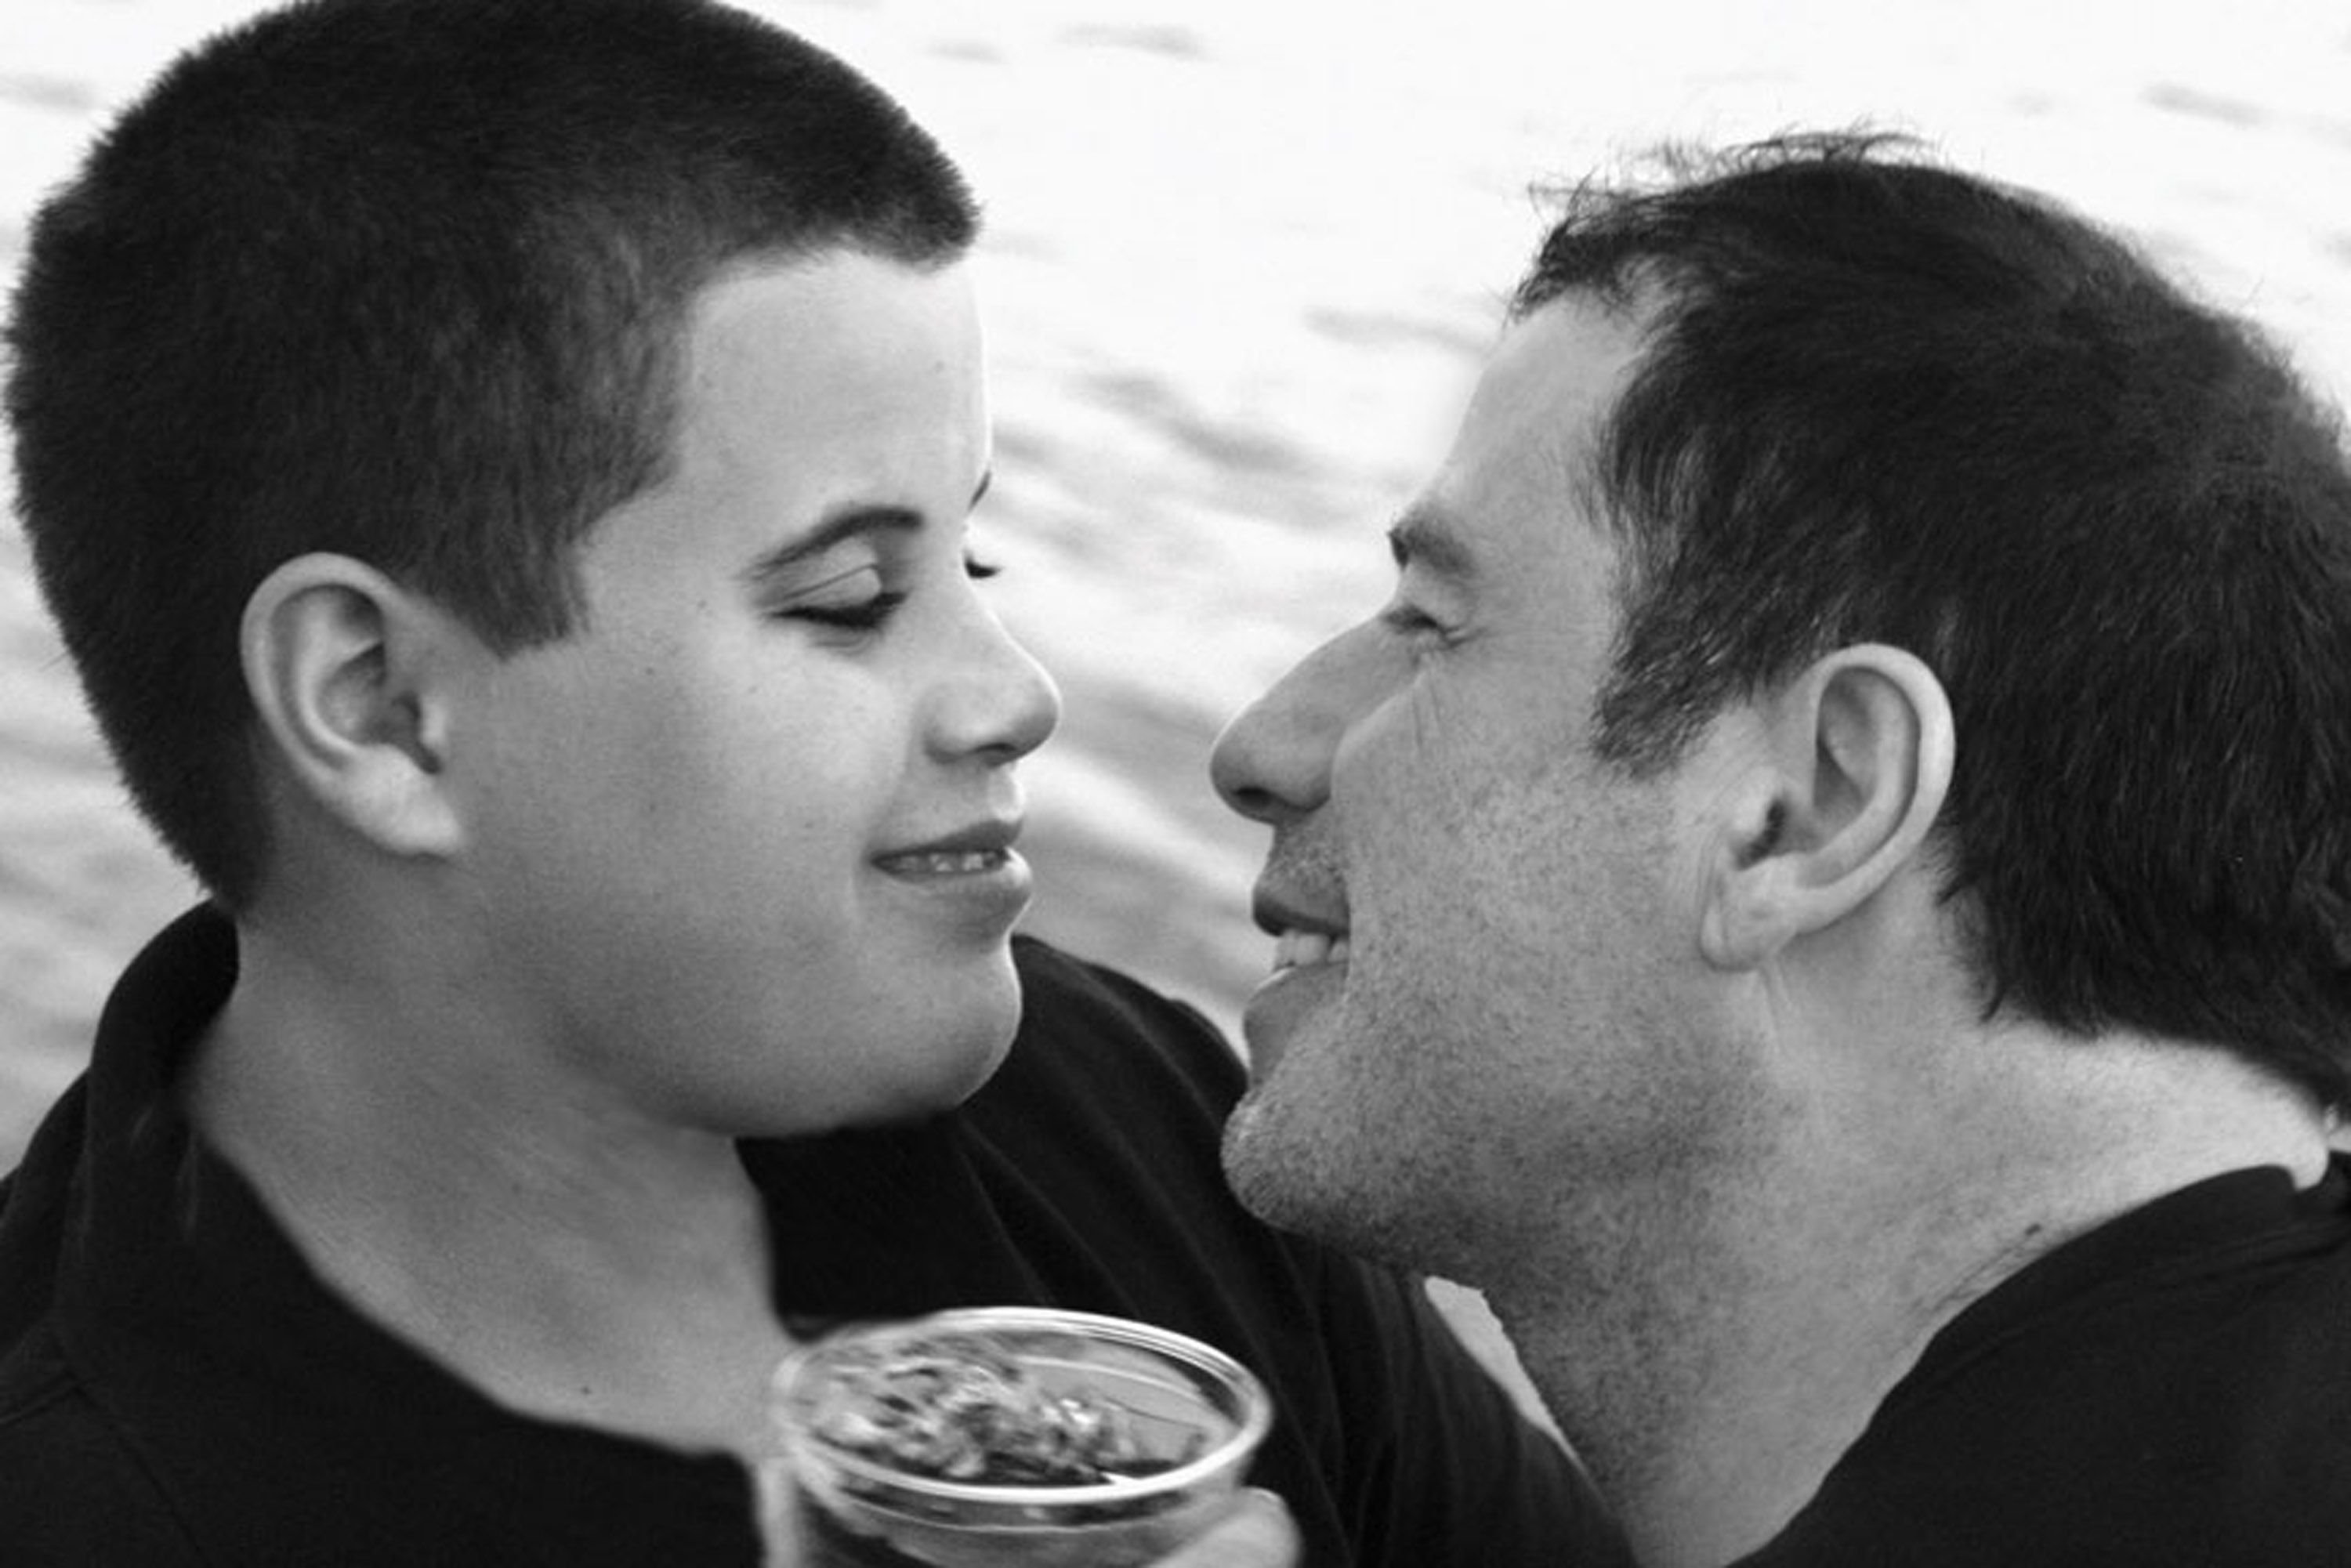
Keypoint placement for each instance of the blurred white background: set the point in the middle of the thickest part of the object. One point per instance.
(1242, 259)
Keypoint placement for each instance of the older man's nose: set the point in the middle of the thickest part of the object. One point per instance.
(1274, 760)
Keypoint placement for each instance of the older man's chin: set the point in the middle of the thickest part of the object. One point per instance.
(1257, 1165)
(1286, 1170)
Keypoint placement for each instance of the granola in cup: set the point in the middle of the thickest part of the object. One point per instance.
(1012, 1435)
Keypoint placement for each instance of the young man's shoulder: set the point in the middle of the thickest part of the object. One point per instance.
(1075, 1004)
(1060, 977)
(72, 1488)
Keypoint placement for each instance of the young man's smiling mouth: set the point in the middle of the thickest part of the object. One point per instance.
(980, 848)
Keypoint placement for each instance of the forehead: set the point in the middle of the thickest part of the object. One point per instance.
(833, 341)
(808, 391)
(1553, 377)
(1514, 492)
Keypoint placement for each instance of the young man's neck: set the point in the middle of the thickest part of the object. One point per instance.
(1712, 1374)
(569, 1262)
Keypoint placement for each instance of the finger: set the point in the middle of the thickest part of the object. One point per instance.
(1256, 1533)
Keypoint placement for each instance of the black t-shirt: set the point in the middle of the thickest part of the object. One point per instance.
(2173, 1388)
(177, 1387)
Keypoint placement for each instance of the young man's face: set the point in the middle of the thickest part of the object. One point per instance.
(746, 835)
(1491, 1006)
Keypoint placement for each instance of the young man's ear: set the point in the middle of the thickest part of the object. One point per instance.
(1855, 765)
(347, 671)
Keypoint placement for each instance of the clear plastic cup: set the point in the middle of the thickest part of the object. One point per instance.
(1012, 1435)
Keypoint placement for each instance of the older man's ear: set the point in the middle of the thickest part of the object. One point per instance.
(1852, 769)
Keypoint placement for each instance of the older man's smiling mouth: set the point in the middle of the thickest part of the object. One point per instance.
(1311, 945)
(1299, 949)
(1302, 937)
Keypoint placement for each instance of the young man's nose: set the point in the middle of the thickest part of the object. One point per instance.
(999, 703)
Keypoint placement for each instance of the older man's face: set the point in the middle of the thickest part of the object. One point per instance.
(1487, 1009)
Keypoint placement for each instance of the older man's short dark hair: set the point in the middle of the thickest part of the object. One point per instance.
(1882, 400)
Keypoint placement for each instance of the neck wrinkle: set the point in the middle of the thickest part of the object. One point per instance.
(1712, 1357)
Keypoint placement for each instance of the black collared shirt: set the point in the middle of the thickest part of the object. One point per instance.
(176, 1387)
(2170, 1390)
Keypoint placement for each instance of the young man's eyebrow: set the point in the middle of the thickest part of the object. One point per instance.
(1424, 537)
(838, 528)
(849, 523)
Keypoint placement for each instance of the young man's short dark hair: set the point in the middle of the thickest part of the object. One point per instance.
(417, 302)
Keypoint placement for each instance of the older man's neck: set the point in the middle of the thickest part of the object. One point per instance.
(1712, 1374)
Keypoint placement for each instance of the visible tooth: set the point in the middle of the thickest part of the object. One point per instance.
(1339, 950)
(1301, 949)
(950, 862)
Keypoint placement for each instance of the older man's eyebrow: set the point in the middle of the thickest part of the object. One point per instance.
(1424, 537)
